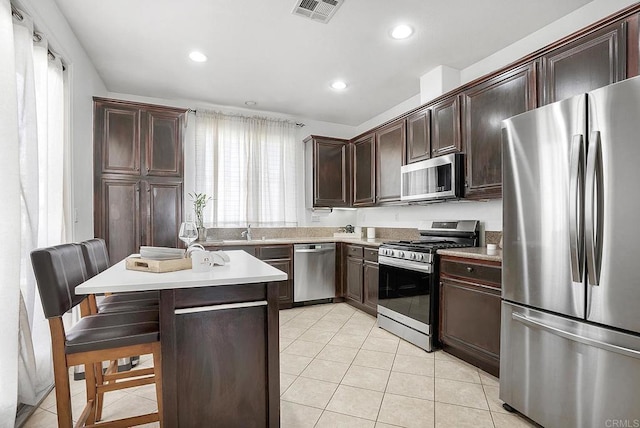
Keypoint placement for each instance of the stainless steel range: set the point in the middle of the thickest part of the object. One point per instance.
(408, 283)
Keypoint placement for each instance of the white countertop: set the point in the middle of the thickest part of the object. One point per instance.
(242, 269)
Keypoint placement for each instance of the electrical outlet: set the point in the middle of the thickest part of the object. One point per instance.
(75, 215)
(315, 219)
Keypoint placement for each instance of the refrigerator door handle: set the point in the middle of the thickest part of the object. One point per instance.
(575, 337)
(576, 210)
(594, 209)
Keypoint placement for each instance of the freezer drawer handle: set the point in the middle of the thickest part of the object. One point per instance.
(575, 337)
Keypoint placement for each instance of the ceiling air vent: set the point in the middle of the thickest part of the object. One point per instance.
(317, 10)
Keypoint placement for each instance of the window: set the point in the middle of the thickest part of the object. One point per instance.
(248, 166)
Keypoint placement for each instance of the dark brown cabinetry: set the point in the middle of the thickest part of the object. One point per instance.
(470, 311)
(419, 136)
(364, 174)
(329, 184)
(219, 355)
(138, 169)
(484, 107)
(390, 156)
(445, 116)
(361, 277)
(590, 62)
(280, 257)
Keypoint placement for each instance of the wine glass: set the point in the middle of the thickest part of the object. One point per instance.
(188, 232)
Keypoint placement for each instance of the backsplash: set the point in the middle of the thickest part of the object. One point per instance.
(384, 233)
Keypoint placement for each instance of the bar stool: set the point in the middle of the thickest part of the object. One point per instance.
(95, 338)
(96, 259)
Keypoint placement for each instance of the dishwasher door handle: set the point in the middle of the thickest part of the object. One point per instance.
(324, 250)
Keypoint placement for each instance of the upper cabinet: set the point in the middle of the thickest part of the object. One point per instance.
(390, 156)
(138, 169)
(445, 115)
(138, 140)
(484, 107)
(364, 175)
(419, 136)
(590, 62)
(329, 181)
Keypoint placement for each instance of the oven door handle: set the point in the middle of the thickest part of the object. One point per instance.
(405, 264)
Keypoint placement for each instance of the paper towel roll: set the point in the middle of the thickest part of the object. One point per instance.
(371, 233)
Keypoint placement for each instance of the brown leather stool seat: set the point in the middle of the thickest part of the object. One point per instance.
(98, 332)
(96, 259)
(96, 338)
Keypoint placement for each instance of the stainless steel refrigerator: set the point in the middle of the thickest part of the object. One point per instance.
(570, 335)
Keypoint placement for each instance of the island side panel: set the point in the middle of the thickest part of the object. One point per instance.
(224, 362)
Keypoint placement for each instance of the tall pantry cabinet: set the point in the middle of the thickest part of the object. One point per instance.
(138, 175)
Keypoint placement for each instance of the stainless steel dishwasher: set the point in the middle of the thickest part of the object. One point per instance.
(314, 272)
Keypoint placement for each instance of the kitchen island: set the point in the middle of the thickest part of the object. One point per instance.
(219, 339)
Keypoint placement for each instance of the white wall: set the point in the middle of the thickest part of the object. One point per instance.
(84, 84)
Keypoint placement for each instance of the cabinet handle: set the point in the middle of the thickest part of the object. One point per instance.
(469, 269)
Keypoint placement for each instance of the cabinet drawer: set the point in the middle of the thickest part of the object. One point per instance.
(371, 254)
(270, 252)
(472, 271)
(354, 251)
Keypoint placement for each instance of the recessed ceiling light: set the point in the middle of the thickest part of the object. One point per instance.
(401, 31)
(250, 103)
(339, 85)
(197, 56)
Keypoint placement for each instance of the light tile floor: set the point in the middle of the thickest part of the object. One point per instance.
(338, 369)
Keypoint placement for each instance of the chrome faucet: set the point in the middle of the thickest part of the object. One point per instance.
(247, 233)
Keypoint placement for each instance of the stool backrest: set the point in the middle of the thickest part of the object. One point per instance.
(96, 256)
(58, 271)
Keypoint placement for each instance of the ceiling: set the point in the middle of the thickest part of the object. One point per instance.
(258, 51)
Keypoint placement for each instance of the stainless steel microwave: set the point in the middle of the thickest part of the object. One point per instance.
(433, 179)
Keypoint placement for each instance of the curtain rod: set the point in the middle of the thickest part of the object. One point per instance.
(36, 37)
(194, 111)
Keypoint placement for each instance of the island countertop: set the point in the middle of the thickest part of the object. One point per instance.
(241, 269)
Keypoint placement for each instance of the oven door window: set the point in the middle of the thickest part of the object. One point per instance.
(406, 292)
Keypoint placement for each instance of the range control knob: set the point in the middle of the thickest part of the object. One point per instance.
(400, 253)
(412, 256)
(419, 257)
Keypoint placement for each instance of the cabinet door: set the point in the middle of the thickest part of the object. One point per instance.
(390, 156)
(371, 285)
(419, 136)
(164, 211)
(285, 288)
(163, 137)
(116, 139)
(363, 171)
(354, 279)
(485, 106)
(588, 63)
(445, 116)
(331, 164)
(119, 221)
(471, 322)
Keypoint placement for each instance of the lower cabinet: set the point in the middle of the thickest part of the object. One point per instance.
(280, 257)
(470, 311)
(220, 354)
(362, 277)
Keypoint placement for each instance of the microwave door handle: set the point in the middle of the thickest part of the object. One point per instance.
(576, 210)
(594, 206)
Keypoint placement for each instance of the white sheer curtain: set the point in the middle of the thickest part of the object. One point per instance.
(248, 165)
(34, 149)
